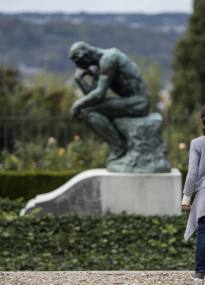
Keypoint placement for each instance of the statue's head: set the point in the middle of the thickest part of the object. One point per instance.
(82, 54)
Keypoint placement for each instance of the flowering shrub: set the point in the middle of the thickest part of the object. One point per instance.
(78, 154)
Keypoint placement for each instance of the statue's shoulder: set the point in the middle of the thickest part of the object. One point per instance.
(109, 60)
(112, 52)
(110, 56)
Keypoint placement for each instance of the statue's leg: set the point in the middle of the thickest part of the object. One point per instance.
(102, 126)
(115, 107)
(99, 118)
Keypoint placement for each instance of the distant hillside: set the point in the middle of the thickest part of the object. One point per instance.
(41, 41)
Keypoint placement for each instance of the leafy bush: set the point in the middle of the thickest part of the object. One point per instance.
(79, 154)
(28, 184)
(89, 154)
(111, 242)
(7, 205)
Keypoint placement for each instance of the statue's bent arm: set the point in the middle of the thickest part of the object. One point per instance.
(98, 93)
(108, 64)
(84, 86)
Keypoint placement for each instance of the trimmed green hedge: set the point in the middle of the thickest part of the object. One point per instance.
(112, 242)
(27, 184)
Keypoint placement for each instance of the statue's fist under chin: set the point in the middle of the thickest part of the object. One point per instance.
(76, 109)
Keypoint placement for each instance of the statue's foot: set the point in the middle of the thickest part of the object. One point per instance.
(117, 152)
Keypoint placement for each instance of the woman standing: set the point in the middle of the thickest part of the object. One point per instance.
(195, 183)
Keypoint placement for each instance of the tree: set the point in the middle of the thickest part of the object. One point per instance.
(189, 65)
(10, 87)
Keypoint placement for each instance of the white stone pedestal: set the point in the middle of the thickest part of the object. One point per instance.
(99, 191)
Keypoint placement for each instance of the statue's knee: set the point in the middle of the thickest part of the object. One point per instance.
(89, 116)
(146, 108)
(84, 114)
(142, 109)
(92, 117)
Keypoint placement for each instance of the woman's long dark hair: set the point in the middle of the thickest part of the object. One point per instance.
(202, 117)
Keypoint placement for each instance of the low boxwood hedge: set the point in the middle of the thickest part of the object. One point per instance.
(28, 184)
(111, 242)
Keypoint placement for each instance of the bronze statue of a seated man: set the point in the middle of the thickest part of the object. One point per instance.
(108, 69)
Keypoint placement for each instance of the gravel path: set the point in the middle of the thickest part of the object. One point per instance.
(96, 278)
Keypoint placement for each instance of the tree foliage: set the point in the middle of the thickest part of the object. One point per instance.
(41, 103)
(10, 87)
(189, 65)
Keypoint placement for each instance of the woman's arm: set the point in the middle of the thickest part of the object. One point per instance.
(191, 178)
(186, 199)
(190, 183)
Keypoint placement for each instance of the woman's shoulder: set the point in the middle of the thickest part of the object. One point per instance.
(198, 141)
(201, 138)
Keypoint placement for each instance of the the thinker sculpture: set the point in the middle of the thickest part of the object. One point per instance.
(112, 69)
(133, 134)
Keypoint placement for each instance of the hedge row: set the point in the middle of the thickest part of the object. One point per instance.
(112, 242)
(27, 184)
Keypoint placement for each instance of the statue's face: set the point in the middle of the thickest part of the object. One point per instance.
(82, 58)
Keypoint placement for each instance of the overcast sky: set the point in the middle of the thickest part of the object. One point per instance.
(146, 6)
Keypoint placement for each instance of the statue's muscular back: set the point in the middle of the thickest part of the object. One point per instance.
(125, 78)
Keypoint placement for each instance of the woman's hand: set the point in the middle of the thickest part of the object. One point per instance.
(186, 207)
(186, 203)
